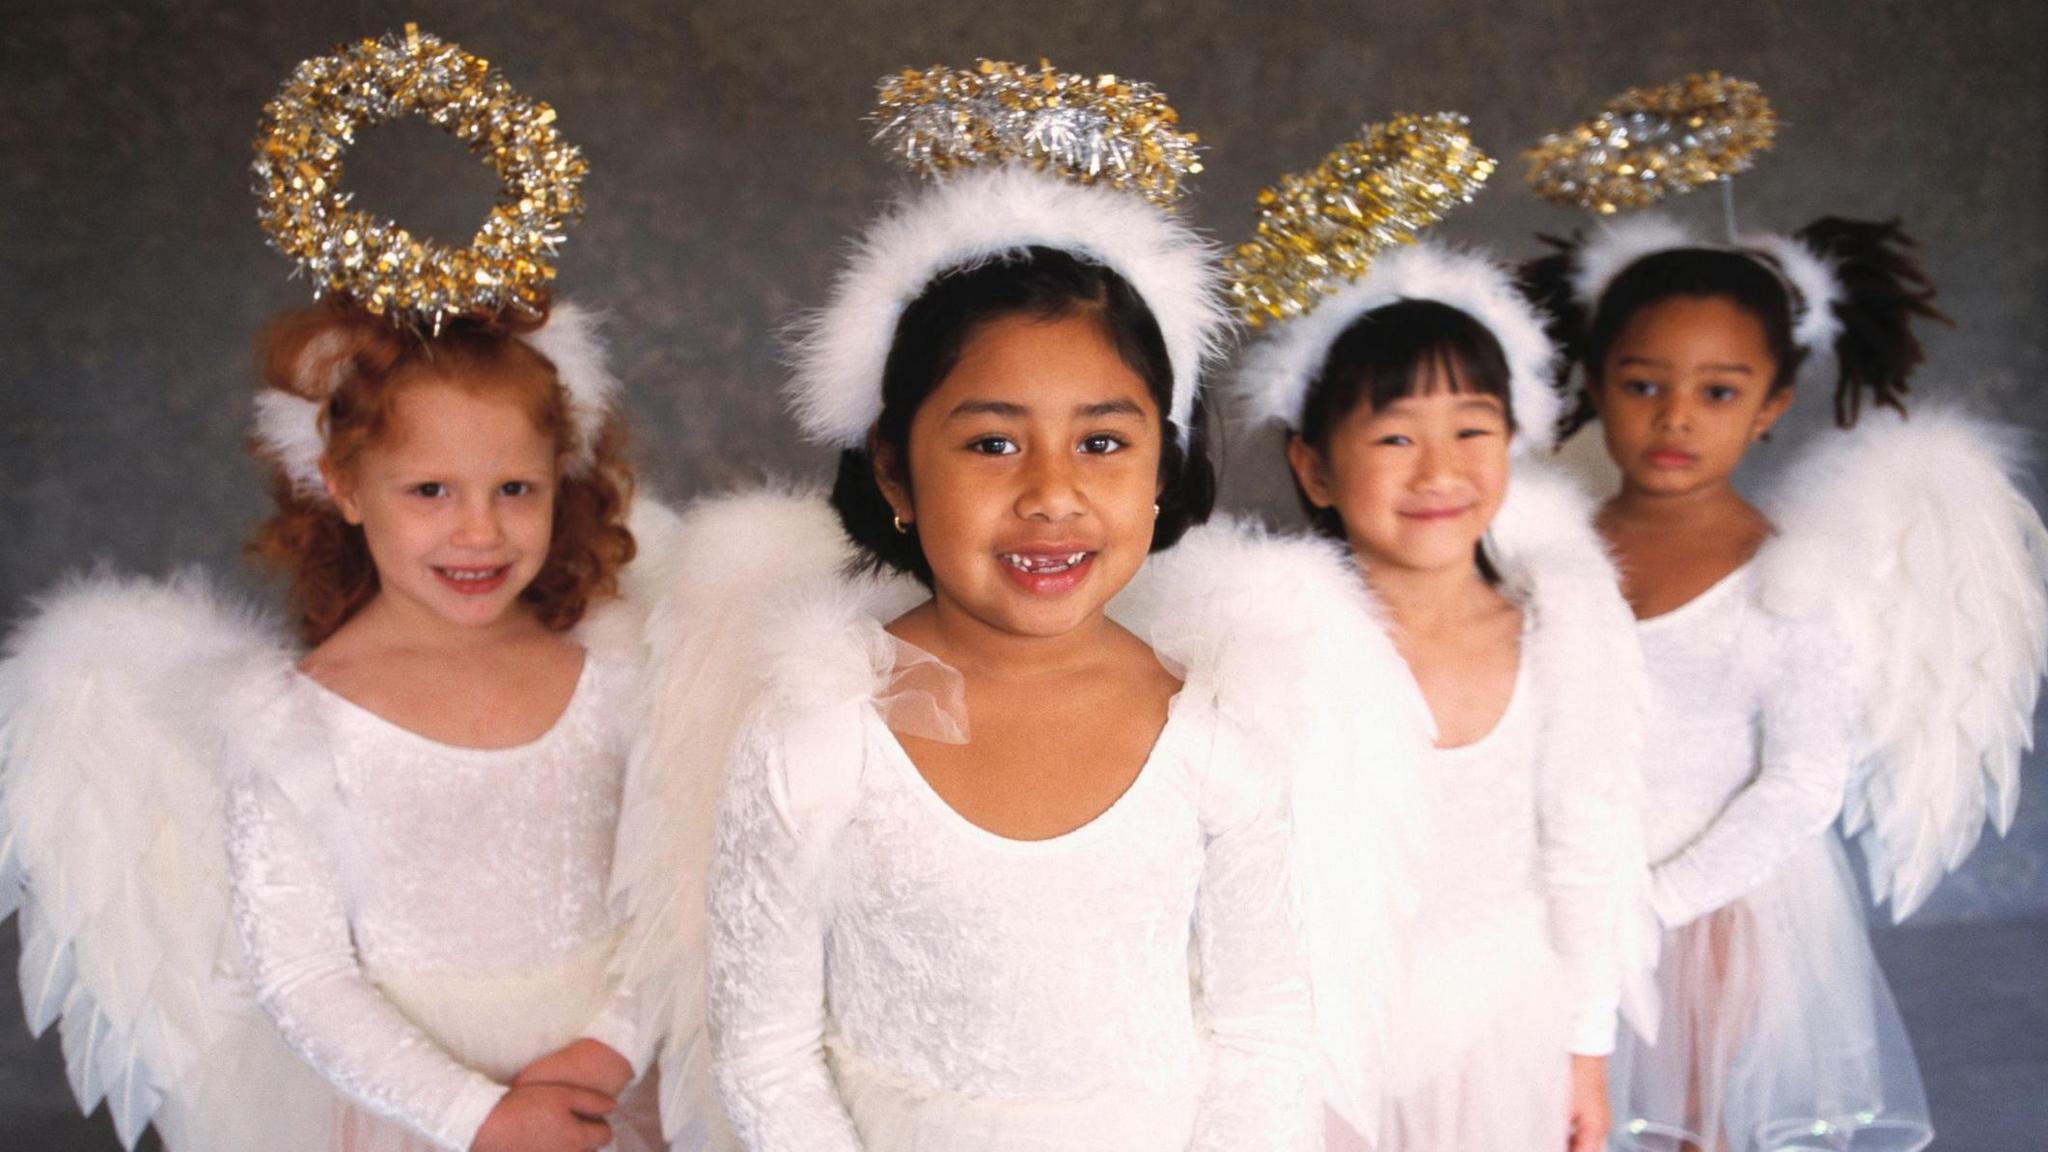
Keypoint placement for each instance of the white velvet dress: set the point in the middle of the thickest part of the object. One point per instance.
(886, 975)
(423, 920)
(1778, 1031)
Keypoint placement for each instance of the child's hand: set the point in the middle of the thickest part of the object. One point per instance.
(582, 1063)
(1590, 1115)
(546, 1118)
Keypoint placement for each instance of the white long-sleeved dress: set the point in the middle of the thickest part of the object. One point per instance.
(1778, 1030)
(885, 974)
(1509, 967)
(423, 920)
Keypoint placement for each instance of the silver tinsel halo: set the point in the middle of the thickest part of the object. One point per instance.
(1650, 142)
(312, 121)
(1092, 129)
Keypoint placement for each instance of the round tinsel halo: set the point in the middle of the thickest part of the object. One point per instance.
(311, 122)
(1650, 142)
(1101, 129)
(1320, 230)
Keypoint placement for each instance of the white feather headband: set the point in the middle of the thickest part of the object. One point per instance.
(977, 217)
(1275, 381)
(287, 426)
(1810, 277)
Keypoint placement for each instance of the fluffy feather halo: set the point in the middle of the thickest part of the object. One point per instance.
(286, 427)
(976, 217)
(1275, 380)
(1815, 289)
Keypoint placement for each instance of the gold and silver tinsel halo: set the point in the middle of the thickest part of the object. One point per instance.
(1649, 142)
(1320, 230)
(1092, 129)
(313, 119)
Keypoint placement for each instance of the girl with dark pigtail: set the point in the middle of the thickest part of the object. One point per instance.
(1864, 646)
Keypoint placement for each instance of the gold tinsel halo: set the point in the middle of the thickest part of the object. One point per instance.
(1094, 129)
(1319, 230)
(1649, 142)
(313, 120)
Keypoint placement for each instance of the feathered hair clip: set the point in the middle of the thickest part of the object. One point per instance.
(1017, 158)
(381, 268)
(1852, 287)
(1340, 240)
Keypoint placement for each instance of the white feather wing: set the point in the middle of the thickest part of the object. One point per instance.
(1284, 628)
(114, 700)
(719, 568)
(1917, 530)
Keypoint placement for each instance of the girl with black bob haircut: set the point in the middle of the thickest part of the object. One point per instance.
(1045, 284)
(1414, 395)
(1391, 353)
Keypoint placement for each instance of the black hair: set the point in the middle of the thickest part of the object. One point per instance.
(1046, 283)
(1883, 289)
(1388, 354)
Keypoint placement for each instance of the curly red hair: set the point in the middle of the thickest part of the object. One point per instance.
(368, 361)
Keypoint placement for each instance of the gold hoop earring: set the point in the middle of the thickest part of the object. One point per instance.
(902, 529)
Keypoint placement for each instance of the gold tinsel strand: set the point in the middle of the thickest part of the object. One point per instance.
(1649, 142)
(1319, 230)
(1094, 129)
(312, 121)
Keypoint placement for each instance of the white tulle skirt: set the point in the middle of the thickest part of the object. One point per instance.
(1778, 1033)
(1478, 1042)
(499, 1023)
(900, 1117)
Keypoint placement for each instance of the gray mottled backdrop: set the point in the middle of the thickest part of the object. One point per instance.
(729, 163)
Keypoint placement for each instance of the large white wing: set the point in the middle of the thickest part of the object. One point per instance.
(1917, 531)
(1286, 630)
(114, 698)
(720, 567)
(1591, 666)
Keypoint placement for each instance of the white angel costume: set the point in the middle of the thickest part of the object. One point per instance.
(1529, 915)
(1528, 875)
(416, 921)
(1884, 651)
(885, 974)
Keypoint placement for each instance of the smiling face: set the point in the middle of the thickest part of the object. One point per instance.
(1684, 390)
(1416, 479)
(455, 499)
(1031, 475)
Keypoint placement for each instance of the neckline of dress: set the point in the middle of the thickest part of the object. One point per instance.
(1712, 592)
(1515, 705)
(560, 724)
(1090, 829)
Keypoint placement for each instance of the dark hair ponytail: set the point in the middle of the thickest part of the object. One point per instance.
(1546, 282)
(1883, 289)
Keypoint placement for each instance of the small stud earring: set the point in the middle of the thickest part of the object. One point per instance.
(1155, 511)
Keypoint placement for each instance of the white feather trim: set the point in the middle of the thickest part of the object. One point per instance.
(1292, 644)
(840, 352)
(1815, 289)
(1613, 247)
(1277, 371)
(572, 343)
(287, 426)
(1587, 658)
(1917, 532)
(287, 429)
